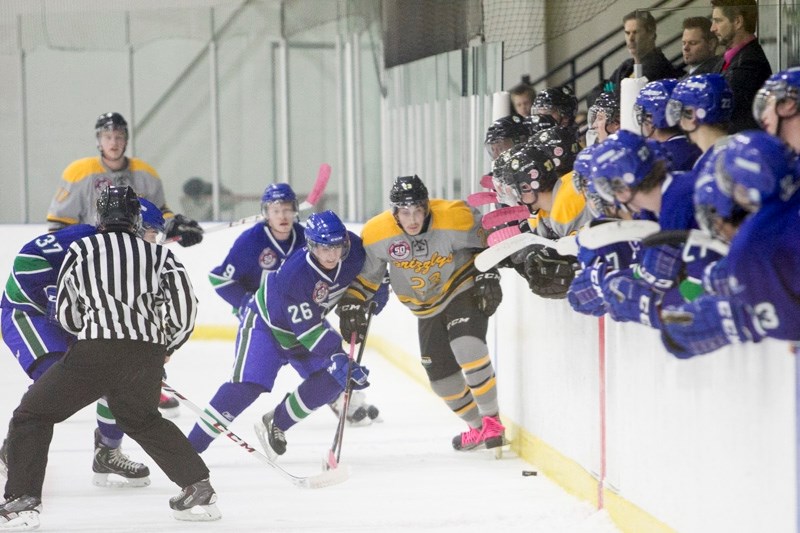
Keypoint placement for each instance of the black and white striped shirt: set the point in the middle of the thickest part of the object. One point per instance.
(118, 286)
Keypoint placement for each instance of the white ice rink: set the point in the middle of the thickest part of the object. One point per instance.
(404, 474)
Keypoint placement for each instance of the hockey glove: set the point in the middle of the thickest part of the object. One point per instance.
(715, 278)
(585, 294)
(188, 230)
(549, 274)
(660, 266)
(487, 291)
(631, 300)
(338, 369)
(352, 318)
(707, 324)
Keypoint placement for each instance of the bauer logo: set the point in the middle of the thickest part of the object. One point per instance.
(321, 291)
(268, 259)
(399, 250)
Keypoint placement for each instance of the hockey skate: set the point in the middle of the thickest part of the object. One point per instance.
(493, 432)
(196, 503)
(359, 412)
(468, 440)
(20, 514)
(169, 406)
(271, 436)
(4, 460)
(112, 468)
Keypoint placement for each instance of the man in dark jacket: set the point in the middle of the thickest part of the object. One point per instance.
(744, 64)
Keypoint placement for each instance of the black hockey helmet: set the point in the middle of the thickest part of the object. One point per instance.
(560, 144)
(560, 99)
(407, 191)
(608, 103)
(537, 123)
(504, 133)
(118, 209)
(530, 170)
(110, 121)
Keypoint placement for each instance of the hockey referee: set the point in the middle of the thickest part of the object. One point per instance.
(130, 304)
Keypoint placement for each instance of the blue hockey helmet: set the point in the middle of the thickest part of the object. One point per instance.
(761, 168)
(582, 168)
(705, 97)
(326, 230)
(713, 203)
(280, 193)
(651, 103)
(118, 209)
(621, 162)
(152, 217)
(781, 86)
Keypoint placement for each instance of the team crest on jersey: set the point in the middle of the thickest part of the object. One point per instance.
(101, 183)
(268, 259)
(399, 250)
(321, 291)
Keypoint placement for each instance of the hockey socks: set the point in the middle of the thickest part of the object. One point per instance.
(228, 403)
(319, 389)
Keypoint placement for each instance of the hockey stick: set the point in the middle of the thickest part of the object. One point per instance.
(323, 479)
(595, 237)
(504, 248)
(336, 448)
(311, 200)
(687, 239)
(313, 197)
(487, 182)
(478, 199)
(504, 215)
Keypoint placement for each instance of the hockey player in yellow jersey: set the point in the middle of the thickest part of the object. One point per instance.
(429, 246)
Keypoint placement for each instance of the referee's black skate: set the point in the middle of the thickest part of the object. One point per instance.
(196, 503)
(20, 513)
(271, 436)
(112, 468)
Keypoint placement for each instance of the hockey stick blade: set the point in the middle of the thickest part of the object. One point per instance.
(326, 478)
(496, 237)
(488, 258)
(687, 239)
(487, 182)
(601, 235)
(504, 215)
(478, 199)
(313, 197)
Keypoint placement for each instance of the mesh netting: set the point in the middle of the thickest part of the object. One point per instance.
(523, 25)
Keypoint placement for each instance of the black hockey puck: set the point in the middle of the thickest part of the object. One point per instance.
(530, 473)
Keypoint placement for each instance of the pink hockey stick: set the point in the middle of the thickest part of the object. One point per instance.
(505, 215)
(313, 197)
(478, 199)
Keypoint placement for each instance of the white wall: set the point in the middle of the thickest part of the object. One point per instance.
(703, 445)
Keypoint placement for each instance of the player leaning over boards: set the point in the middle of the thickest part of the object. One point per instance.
(429, 246)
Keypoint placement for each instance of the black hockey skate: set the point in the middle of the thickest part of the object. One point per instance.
(271, 436)
(20, 514)
(196, 503)
(112, 462)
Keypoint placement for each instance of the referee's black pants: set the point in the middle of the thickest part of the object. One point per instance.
(128, 373)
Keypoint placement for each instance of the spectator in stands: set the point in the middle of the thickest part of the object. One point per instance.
(744, 63)
(699, 46)
(522, 95)
(640, 38)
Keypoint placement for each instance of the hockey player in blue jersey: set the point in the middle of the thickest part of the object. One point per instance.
(650, 109)
(776, 107)
(37, 340)
(285, 324)
(761, 175)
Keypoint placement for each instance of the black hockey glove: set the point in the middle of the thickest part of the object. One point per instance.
(188, 230)
(487, 291)
(352, 318)
(549, 274)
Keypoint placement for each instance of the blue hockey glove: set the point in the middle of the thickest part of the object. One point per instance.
(707, 324)
(585, 294)
(188, 230)
(660, 266)
(352, 319)
(52, 313)
(631, 300)
(715, 278)
(242, 309)
(338, 369)
(487, 291)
